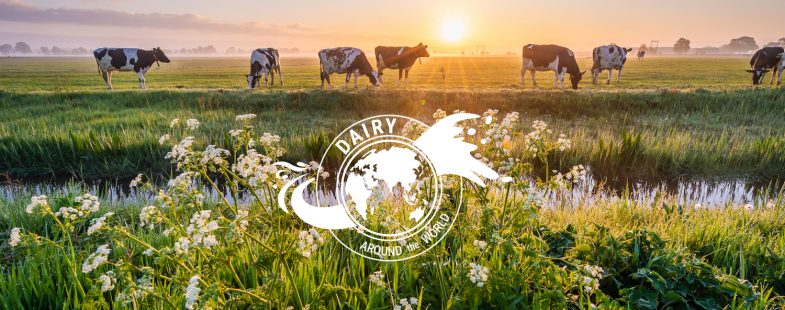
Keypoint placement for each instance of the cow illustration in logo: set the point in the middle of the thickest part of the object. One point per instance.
(389, 199)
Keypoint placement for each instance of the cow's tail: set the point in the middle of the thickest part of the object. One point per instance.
(321, 68)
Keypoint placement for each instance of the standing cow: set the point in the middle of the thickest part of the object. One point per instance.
(641, 53)
(764, 60)
(349, 60)
(399, 57)
(264, 61)
(608, 57)
(127, 59)
(558, 59)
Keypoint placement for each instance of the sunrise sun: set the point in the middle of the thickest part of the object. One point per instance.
(453, 30)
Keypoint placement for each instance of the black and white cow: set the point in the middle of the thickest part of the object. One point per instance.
(264, 61)
(127, 59)
(766, 59)
(608, 57)
(558, 59)
(349, 60)
(641, 53)
(398, 57)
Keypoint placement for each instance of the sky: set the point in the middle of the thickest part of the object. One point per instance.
(499, 25)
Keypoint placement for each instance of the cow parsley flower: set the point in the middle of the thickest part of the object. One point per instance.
(88, 203)
(377, 278)
(563, 143)
(148, 252)
(480, 244)
(164, 138)
(214, 155)
(149, 216)
(192, 124)
(255, 167)
(182, 245)
(174, 122)
(245, 117)
(181, 150)
(406, 304)
(107, 281)
(100, 256)
(15, 237)
(36, 201)
(192, 293)
(98, 223)
(309, 242)
(591, 278)
(135, 182)
(478, 274)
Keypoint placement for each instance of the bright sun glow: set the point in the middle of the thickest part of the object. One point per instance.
(453, 31)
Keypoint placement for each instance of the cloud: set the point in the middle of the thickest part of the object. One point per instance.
(17, 11)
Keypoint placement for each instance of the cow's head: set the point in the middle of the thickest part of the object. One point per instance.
(575, 79)
(757, 75)
(421, 50)
(374, 77)
(160, 56)
(252, 80)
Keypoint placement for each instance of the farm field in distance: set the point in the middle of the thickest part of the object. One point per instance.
(672, 120)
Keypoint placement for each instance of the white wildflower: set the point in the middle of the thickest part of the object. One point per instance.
(377, 278)
(214, 155)
(181, 150)
(563, 143)
(749, 207)
(107, 281)
(192, 124)
(98, 223)
(308, 242)
(15, 237)
(149, 216)
(480, 244)
(478, 274)
(244, 117)
(148, 252)
(36, 201)
(164, 138)
(192, 292)
(174, 122)
(135, 182)
(100, 256)
(182, 245)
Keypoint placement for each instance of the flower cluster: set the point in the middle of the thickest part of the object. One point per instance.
(406, 304)
(192, 292)
(98, 223)
(377, 278)
(255, 168)
(480, 244)
(308, 242)
(591, 278)
(192, 124)
(244, 117)
(15, 237)
(96, 259)
(478, 274)
(37, 201)
(86, 205)
(199, 233)
(107, 281)
(149, 216)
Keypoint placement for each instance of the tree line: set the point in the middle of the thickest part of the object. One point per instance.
(740, 45)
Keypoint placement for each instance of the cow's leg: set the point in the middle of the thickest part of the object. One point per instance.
(140, 75)
(556, 77)
(321, 76)
(266, 78)
(773, 73)
(400, 76)
(534, 79)
(610, 75)
(406, 78)
(523, 77)
(109, 77)
(348, 77)
(106, 79)
(356, 75)
(280, 75)
(381, 73)
(594, 75)
(272, 77)
(618, 76)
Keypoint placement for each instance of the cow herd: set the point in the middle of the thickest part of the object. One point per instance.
(265, 63)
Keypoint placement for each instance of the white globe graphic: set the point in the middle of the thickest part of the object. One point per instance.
(389, 188)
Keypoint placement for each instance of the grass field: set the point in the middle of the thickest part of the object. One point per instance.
(476, 73)
(670, 119)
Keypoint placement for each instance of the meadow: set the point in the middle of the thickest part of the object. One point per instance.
(671, 118)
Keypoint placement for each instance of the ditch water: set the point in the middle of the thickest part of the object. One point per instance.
(708, 193)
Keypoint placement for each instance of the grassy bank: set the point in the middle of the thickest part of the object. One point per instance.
(629, 134)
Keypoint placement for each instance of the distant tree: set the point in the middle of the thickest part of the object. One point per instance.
(45, 50)
(231, 50)
(79, 51)
(183, 51)
(781, 41)
(643, 47)
(58, 51)
(741, 45)
(23, 48)
(6, 49)
(682, 46)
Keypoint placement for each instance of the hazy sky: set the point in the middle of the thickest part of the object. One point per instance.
(501, 25)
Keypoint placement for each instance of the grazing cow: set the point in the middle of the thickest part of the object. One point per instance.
(398, 57)
(264, 61)
(127, 59)
(764, 60)
(641, 53)
(349, 60)
(608, 57)
(558, 59)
